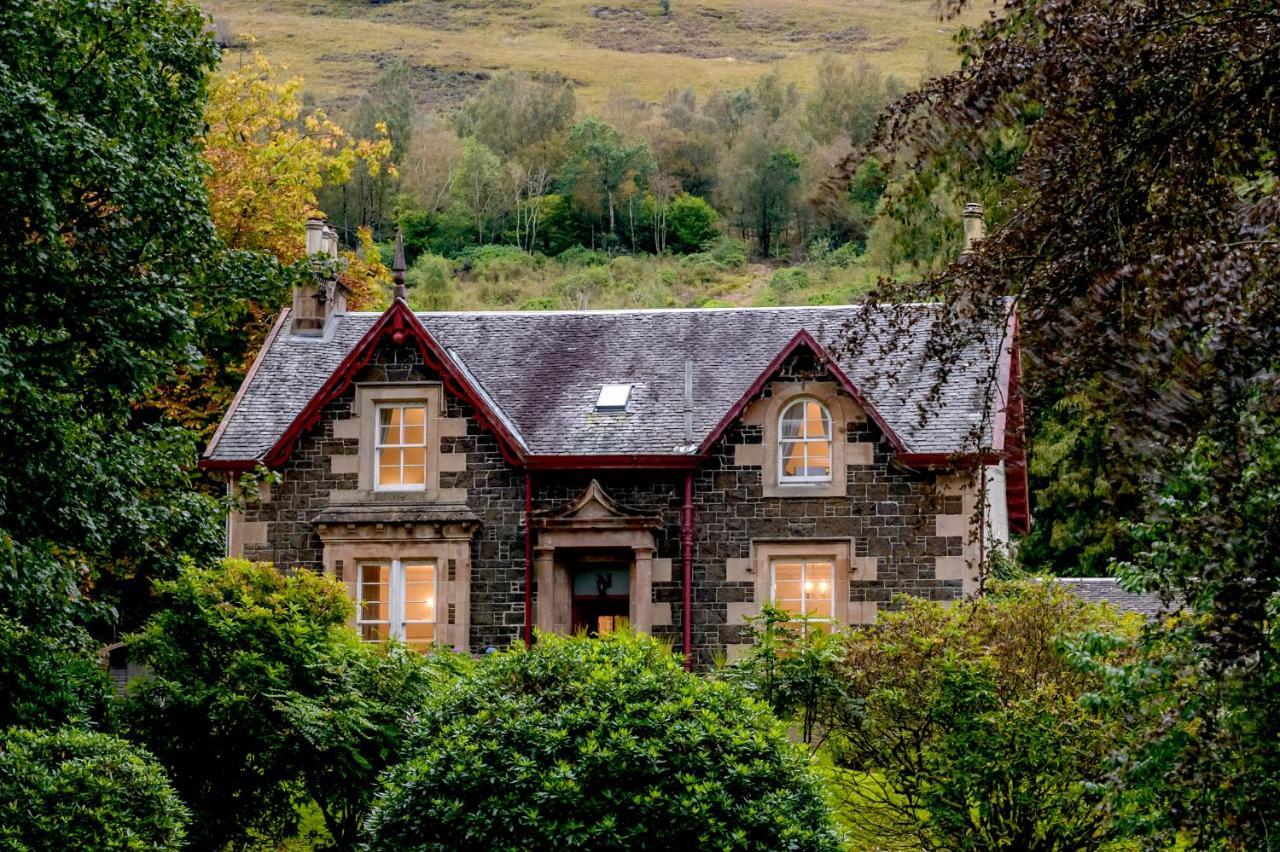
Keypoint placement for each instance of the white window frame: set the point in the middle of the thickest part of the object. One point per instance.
(396, 589)
(378, 446)
(804, 440)
(804, 562)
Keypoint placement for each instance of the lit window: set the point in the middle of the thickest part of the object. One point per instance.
(804, 443)
(396, 599)
(613, 398)
(806, 587)
(401, 448)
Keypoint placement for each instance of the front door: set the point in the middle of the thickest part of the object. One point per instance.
(601, 597)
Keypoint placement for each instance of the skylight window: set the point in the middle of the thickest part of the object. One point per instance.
(613, 398)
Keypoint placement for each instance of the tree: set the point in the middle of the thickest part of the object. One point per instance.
(268, 159)
(477, 183)
(1179, 691)
(692, 223)
(792, 669)
(74, 789)
(429, 280)
(766, 189)
(107, 252)
(386, 111)
(964, 727)
(846, 101)
(1139, 226)
(513, 113)
(609, 743)
(603, 167)
(261, 698)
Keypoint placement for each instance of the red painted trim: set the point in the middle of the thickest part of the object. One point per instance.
(1017, 486)
(235, 400)
(528, 558)
(1007, 356)
(398, 323)
(613, 462)
(686, 555)
(935, 461)
(221, 464)
(802, 338)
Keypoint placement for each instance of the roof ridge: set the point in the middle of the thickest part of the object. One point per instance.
(633, 311)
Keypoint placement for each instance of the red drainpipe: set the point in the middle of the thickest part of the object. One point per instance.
(686, 551)
(528, 557)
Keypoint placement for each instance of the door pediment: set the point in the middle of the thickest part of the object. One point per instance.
(594, 509)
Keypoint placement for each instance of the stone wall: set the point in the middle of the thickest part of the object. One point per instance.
(892, 518)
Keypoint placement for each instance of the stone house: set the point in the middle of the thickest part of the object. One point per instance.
(473, 476)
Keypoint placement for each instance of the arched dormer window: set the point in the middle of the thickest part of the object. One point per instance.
(804, 443)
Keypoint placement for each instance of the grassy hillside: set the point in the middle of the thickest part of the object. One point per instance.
(337, 45)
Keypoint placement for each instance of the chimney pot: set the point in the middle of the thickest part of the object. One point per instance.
(315, 235)
(975, 226)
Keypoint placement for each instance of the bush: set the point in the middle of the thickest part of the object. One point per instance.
(691, 223)
(430, 281)
(598, 744)
(789, 280)
(968, 727)
(539, 303)
(74, 789)
(261, 697)
(582, 256)
(728, 252)
(497, 264)
(582, 287)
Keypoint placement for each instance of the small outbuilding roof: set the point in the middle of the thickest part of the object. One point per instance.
(1108, 590)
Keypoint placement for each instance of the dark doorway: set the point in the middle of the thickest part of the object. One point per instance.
(601, 592)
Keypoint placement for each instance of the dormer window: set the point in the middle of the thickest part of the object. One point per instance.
(613, 397)
(804, 443)
(400, 449)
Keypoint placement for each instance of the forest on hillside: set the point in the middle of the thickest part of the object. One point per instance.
(522, 199)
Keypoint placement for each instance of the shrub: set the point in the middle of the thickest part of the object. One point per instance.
(598, 744)
(699, 268)
(261, 697)
(429, 281)
(74, 789)
(582, 256)
(497, 264)
(727, 251)
(691, 223)
(845, 256)
(539, 303)
(966, 727)
(789, 280)
(583, 286)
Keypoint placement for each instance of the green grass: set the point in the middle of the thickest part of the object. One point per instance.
(506, 279)
(337, 45)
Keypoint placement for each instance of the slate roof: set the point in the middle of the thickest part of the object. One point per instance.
(1106, 589)
(543, 371)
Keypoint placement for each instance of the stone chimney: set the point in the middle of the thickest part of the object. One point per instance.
(975, 226)
(324, 296)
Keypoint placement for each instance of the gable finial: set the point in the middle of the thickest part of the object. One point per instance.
(397, 268)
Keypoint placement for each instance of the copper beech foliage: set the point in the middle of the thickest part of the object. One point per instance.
(1138, 228)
